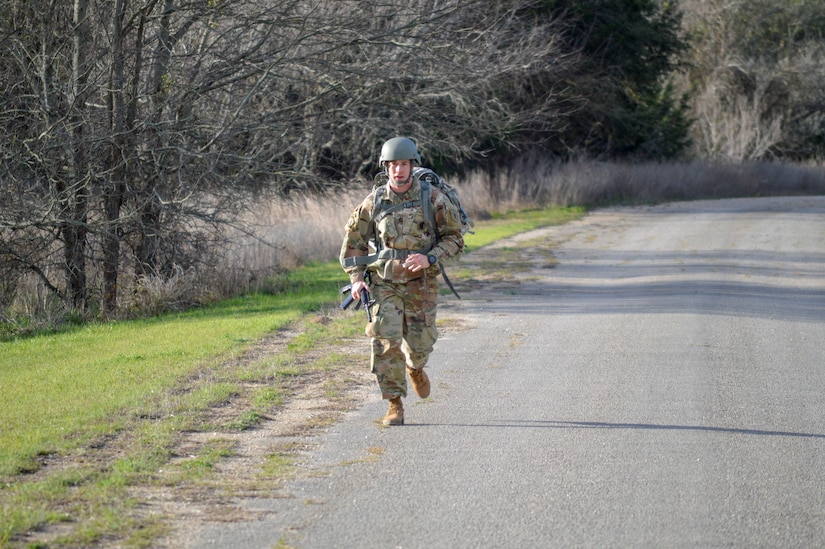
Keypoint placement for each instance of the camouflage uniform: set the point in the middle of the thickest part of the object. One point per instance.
(403, 330)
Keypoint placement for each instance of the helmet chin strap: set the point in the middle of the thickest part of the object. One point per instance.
(395, 185)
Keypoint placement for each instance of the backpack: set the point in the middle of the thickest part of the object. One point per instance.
(427, 179)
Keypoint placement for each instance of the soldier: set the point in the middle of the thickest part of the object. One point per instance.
(401, 274)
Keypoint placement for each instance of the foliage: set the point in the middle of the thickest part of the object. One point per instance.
(628, 50)
(756, 78)
(776, 29)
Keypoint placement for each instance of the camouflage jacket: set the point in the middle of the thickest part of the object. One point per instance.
(403, 229)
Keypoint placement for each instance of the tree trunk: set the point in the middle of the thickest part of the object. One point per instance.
(116, 185)
(76, 195)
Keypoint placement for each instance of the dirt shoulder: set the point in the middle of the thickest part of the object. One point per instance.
(261, 459)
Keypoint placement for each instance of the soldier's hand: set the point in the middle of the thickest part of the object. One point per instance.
(357, 288)
(416, 262)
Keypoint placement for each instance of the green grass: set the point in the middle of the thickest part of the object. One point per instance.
(200, 465)
(281, 462)
(70, 391)
(62, 390)
(505, 225)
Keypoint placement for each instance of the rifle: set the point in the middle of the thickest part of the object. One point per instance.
(365, 300)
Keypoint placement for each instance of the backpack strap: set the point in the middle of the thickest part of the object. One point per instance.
(427, 206)
(392, 209)
(429, 215)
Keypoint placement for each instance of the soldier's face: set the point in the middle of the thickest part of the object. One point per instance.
(399, 170)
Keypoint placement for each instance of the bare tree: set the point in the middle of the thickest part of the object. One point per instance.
(142, 127)
(756, 68)
(46, 178)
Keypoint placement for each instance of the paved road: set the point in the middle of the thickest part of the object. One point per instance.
(663, 386)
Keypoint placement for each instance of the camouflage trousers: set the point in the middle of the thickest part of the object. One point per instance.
(403, 331)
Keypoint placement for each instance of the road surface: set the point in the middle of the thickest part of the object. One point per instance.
(662, 386)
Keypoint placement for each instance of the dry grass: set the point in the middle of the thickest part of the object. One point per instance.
(287, 234)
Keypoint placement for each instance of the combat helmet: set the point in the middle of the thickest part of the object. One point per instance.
(399, 148)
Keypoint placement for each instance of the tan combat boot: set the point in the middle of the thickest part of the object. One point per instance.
(420, 381)
(395, 414)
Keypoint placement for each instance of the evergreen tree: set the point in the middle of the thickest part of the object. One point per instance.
(627, 106)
